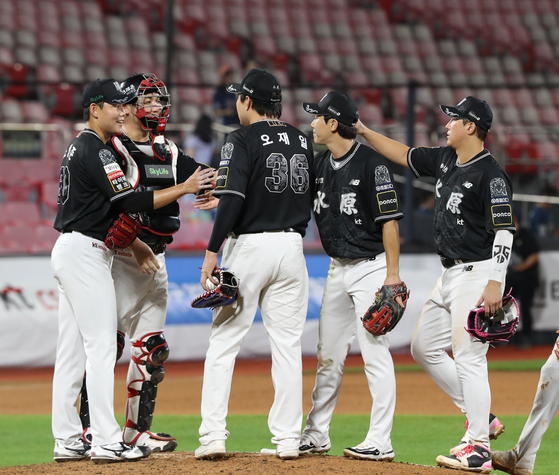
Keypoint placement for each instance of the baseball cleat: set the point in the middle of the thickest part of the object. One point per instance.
(506, 462)
(496, 427)
(367, 451)
(461, 446)
(78, 449)
(213, 450)
(157, 442)
(473, 458)
(308, 447)
(119, 452)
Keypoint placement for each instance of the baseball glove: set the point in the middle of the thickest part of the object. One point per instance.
(224, 294)
(123, 232)
(499, 327)
(386, 312)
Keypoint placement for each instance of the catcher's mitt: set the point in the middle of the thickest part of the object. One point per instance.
(224, 294)
(386, 312)
(496, 328)
(123, 232)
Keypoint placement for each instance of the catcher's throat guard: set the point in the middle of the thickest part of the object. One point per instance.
(224, 294)
(500, 327)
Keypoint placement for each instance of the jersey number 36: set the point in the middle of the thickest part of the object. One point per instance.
(296, 172)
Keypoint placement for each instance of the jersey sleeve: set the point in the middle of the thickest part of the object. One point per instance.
(103, 169)
(234, 167)
(424, 161)
(186, 166)
(497, 198)
(386, 204)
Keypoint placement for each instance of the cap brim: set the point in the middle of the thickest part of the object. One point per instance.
(311, 108)
(234, 88)
(451, 111)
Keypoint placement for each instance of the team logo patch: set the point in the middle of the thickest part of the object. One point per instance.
(382, 175)
(502, 215)
(158, 171)
(498, 188)
(226, 153)
(106, 156)
(387, 201)
(222, 175)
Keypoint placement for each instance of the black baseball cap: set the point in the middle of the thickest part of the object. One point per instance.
(473, 109)
(105, 90)
(259, 85)
(341, 107)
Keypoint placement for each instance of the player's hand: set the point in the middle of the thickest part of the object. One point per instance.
(493, 298)
(360, 128)
(200, 180)
(210, 264)
(206, 201)
(392, 279)
(144, 257)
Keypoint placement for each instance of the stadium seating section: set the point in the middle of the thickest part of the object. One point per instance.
(505, 51)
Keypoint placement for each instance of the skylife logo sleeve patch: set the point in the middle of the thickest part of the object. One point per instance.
(387, 201)
(501, 215)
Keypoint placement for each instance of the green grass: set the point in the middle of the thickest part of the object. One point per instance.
(416, 439)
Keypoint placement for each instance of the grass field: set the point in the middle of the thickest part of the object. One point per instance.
(416, 439)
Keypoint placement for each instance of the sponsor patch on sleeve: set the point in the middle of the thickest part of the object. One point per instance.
(118, 181)
(501, 215)
(222, 175)
(111, 167)
(387, 201)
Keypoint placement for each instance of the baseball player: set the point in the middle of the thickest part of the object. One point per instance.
(473, 229)
(356, 210)
(264, 185)
(520, 460)
(93, 190)
(142, 297)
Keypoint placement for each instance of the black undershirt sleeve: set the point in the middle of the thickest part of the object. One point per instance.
(135, 202)
(227, 212)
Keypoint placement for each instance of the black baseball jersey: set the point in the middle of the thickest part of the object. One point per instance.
(268, 164)
(145, 171)
(354, 196)
(90, 181)
(472, 200)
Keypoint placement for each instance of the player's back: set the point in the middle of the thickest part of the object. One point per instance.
(269, 163)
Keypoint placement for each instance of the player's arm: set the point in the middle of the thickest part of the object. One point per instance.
(492, 296)
(227, 212)
(391, 149)
(391, 242)
(144, 256)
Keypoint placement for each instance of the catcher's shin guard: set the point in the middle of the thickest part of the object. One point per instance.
(84, 401)
(145, 373)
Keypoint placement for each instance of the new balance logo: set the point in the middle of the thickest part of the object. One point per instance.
(467, 184)
(468, 268)
(354, 182)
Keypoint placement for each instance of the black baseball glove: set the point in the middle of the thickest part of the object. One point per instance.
(499, 327)
(386, 312)
(224, 294)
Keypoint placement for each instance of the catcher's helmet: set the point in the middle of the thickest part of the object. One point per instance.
(149, 93)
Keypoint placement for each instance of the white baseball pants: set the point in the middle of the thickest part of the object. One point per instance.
(273, 275)
(544, 410)
(441, 324)
(349, 292)
(87, 325)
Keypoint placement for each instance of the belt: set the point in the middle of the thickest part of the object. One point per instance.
(157, 247)
(286, 230)
(447, 262)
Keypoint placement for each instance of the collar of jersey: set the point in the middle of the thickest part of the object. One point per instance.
(338, 163)
(480, 156)
(89, 131)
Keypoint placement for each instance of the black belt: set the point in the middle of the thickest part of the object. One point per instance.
(157, 247)
(447, 262)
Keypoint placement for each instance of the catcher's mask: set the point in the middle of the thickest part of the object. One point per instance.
(152, 101)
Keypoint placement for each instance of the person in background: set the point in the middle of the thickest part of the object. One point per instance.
(224, 104)
(541, 217)
(200, 144)
(523, 277)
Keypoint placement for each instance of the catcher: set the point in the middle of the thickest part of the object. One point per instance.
(356, 208)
